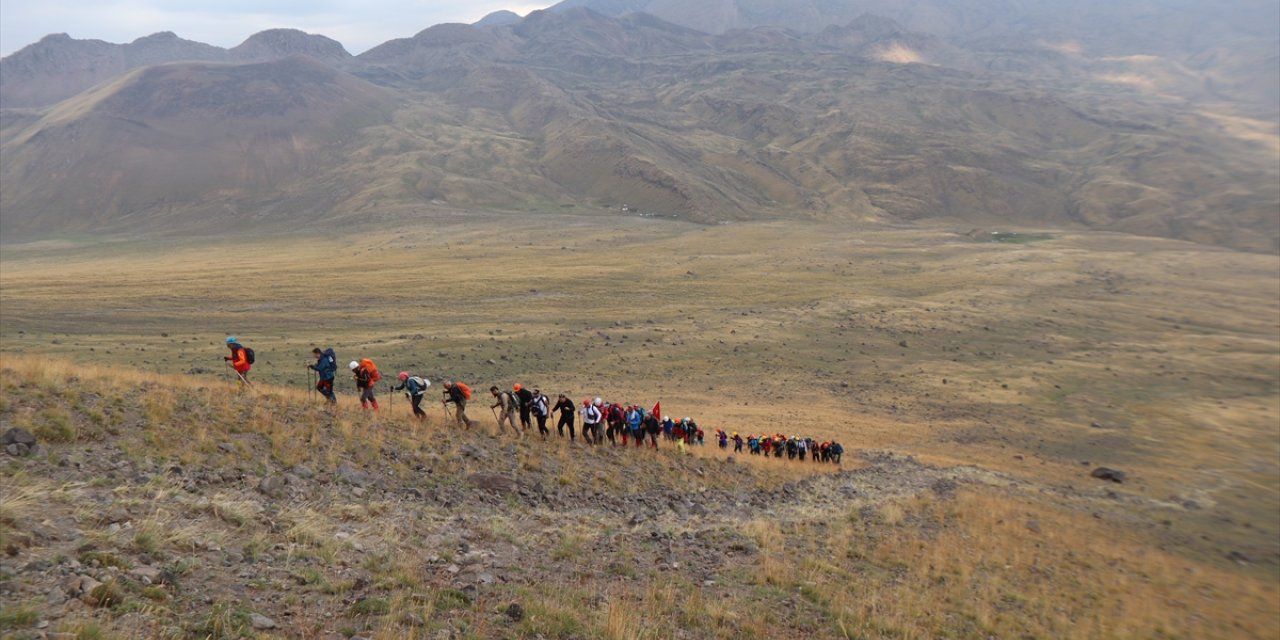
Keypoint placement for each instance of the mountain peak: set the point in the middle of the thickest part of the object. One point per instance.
(280, 43)
(501, 18)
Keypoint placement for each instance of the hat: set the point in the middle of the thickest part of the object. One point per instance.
(354, 365)
(231, 339)
(516, 387)
(404, 375)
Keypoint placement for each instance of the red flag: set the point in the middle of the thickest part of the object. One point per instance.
(657, 410)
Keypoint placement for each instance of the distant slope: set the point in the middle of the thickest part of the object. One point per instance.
(184, 140)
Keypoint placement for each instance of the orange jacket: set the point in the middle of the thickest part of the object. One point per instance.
(240, 360)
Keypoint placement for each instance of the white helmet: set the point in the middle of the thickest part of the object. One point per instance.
(686, 419)
(354, 365)
(597, 402)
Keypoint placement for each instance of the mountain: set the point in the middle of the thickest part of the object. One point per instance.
(869, 120)
(1197, 50)
(185, 139)
(59, 67)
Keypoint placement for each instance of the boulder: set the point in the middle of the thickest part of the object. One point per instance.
(18, 435)
(1106, 473)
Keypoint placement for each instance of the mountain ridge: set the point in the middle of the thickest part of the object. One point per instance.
(865, 121)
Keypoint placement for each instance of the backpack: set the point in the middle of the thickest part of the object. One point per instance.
(421, 383)
(372, 368)
(466, 391)
(248, 355)
(515, 399)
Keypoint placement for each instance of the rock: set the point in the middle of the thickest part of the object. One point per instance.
(148, 575)
(1238, 558)
(413, 620)
(18, 450)
(515, 612)
(18, 435)
(637, 518)
(486, 578)
(353, 476)
(261, 622)
(226, 447)
(273, 486)
(304, 472)
(1095, 424)
(1033, 526)
(493, 482)
(903, 344)
(80, 586)
(1105, 473)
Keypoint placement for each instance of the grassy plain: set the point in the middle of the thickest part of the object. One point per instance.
(1032, 362)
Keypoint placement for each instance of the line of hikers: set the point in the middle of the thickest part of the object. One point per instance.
(599, 420)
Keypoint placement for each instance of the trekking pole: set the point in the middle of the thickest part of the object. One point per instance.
(391, 400)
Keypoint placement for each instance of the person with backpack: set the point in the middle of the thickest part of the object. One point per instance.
(241, 359)
(633, 417)
(737, 442)
(457, 394)
(566, 408)
(506, 404)
(637, 429)
(326, 368)
(524, 402)
(415, 387)
(541, 411)
(613, 419)
(654, 427)
(836, 451)
(591, 418)
(367, 377)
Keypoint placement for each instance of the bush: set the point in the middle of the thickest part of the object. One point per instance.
(55, 426)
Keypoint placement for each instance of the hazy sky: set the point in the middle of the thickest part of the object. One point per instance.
(357, 24)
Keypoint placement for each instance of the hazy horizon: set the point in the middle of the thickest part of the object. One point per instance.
(359, 26)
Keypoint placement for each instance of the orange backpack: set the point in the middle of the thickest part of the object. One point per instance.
(372, 368)
(466, 391)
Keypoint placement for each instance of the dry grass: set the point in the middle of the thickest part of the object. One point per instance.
(985, 564)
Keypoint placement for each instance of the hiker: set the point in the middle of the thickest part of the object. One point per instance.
(836, 452)
(668, 428)
(614, 416)
(566, 408)
(524, 401)
(632, 418)
(637, 429)
(722, 439)
(367, 377)
(541, 412)
(802, 445)
(753, 445)
(457, 394)
(241, 359)
(326, 368)
(415, 387)
(654, 427)
(737, 442)
(813, 449)
(591, 418)
(506, 403)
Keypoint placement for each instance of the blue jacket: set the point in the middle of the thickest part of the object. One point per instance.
(327, 365)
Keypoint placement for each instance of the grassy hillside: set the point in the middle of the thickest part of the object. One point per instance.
(198, 507)
(1006, 370)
